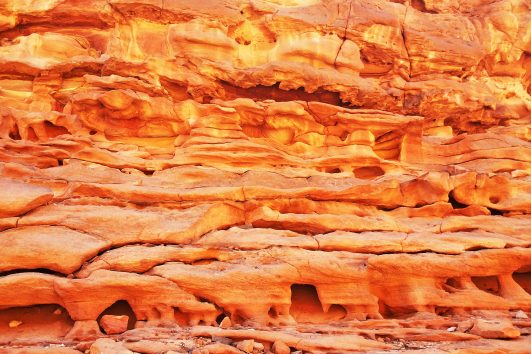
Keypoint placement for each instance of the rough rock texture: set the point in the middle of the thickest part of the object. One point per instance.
(256, 176)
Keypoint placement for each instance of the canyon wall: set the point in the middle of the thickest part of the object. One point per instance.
(252, 176)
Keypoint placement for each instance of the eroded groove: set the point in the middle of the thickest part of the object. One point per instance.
(274, 92)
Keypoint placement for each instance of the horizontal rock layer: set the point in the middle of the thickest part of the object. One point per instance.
(265, 176)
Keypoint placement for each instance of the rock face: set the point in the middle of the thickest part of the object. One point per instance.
(265, 176)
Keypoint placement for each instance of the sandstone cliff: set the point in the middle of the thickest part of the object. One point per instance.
(230, 176)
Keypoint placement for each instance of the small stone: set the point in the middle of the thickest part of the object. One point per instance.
(246, 346)
(451, 329)
(258, 346)
(14, 324)
(112, 324)
(226, 323)
(280, 347)
(520, 315)
(57, 312)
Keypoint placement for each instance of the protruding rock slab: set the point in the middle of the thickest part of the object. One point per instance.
(495, 329)
(55, 248)
(19, 198)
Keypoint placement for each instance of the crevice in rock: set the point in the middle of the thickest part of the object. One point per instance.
(490, 284)
(383, 309)
(177, 91)
(181, 318)
(119, 308)
(523, 279)
(419, 5)
(454, 202)
(221, 317)
(368, 172)
(36, 270)
(495, 211)
(451, 285)
(443, 310)
(274, 92)
(306, 306)
(332, 170)
(344, 33)
(48, 322)
(391, 312)
(403, 33)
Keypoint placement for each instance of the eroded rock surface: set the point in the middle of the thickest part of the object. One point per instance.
(265, 176)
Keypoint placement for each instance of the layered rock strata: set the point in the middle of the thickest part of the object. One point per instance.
(252, 176)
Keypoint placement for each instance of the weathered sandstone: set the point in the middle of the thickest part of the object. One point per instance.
(265, 176)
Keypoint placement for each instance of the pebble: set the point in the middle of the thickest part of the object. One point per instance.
(14, 324)
(258, 346)
(280, 347)
(520, 315)
(246, 345)
(225, 323)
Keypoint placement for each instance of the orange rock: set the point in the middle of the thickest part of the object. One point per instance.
(494, 329)
(327, 176)
(19, 198)
(246, 346)
(225, 323)
(56, 248)
(280, 348)
(114, 324)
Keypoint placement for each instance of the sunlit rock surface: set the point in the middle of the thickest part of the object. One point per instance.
(252, 176)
